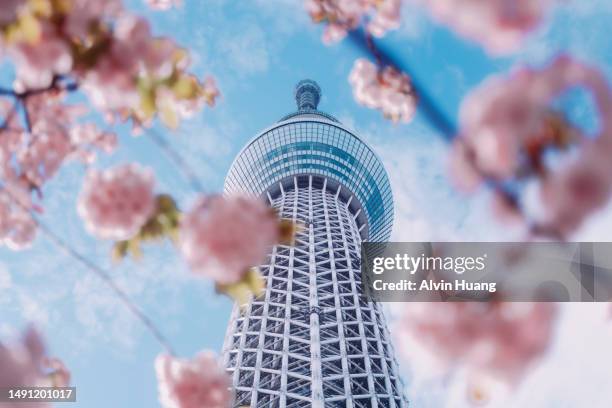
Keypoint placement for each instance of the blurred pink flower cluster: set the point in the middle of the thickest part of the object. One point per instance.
(507, 126)
(30, 158)
(222, 237)
(95, 46)
(496, 340)
(117, 202)
(38, 49)
(25, 365)
(140, 75)
(110, 53)
(386, 89)
(499, 25)
(197, 383)
(344, 15)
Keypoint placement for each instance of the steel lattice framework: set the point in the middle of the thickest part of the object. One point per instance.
(312, 340)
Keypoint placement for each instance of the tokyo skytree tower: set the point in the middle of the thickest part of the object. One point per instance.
(312, 340)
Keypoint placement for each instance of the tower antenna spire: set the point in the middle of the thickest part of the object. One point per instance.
(307, 95)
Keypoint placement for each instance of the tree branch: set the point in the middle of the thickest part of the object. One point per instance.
(96, 270)
(360, 39)
(433, 113)
(192, 177)
(26, 114)
(55, 85)
(9, 115)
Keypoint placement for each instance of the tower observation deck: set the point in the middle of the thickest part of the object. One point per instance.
(312, 340)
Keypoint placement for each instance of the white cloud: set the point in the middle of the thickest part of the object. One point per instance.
(6, 282)
(415, 21)
(287, 16)
(427, 207)
(102, 315)
(32, 310)
(246, 49)
(576, 372)
(574, 26)
(597, 228)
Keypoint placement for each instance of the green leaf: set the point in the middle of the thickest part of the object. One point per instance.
(185, 87)
(134, 248)
(287, 229)
(251, 284)
(120, 250)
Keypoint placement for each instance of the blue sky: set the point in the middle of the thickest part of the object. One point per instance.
(258, 50)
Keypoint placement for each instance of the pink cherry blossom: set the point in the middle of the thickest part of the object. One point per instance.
(506, 210)
(37, 63)
(345, 15)
(164, 4)
(44, 156)
(109, 52)
(9, 11)
(222, 237)
(210, 90)
(58, 372)
(387, 90)
(85, 14)
(508, 123)
(18, 229)
(5, 214)
(106, 52)
(22, 367)
(30, 158)
(386, 18)
(88, 136)
(22, 232)
(499, 25)
(110, 83)
(117, 202)
(579, 189)
(135, 53)
(500, 340)
(53, 138)
(197, 383)
(167, 101)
